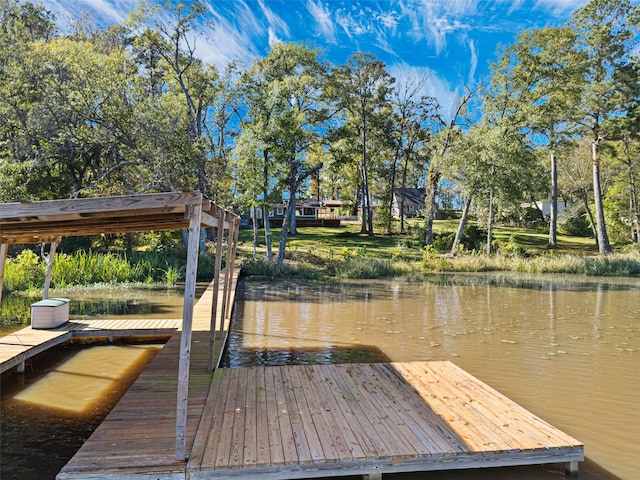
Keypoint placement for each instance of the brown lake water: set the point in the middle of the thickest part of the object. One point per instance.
(566, 348)
(47, 413)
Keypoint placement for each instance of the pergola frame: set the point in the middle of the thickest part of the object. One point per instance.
(48, 221)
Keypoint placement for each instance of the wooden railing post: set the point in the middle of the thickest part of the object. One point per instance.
(47, 278)
(216, 288)
(231, 260)
(185, 338)
(4, 247)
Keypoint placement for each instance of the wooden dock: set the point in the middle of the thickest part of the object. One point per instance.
(368, 419)
(18, 347)
(138, 437)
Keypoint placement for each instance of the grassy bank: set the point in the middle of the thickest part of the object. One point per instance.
(317, 253)
(321, 253)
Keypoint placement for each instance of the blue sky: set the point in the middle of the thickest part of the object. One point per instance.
(453, 42)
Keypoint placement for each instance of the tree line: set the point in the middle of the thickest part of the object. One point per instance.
(131, 108)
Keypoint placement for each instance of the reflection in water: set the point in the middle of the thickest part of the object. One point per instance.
(84, 380)
(567, 350)
(99, 303)
(37, 440)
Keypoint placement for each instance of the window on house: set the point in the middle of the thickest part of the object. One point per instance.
(307, 212)
(280, 211)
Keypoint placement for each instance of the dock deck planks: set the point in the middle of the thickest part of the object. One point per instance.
(367, 419)
(137, 439)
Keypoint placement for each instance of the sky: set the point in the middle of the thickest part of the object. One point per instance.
(452, 42)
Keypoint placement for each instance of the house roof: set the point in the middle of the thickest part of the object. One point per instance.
(46, 221)
(415, 196)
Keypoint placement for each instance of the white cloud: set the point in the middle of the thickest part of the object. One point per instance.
(273, 37)
(233, 37)
(324, 23)
(473, 62)
(275, 23)
(560, 8)
(435, 86)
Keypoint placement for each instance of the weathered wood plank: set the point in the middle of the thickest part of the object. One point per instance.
(276, 447)
(371, 407)
(345, 441)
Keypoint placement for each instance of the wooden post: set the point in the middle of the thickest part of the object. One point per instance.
(47, 279)
(195, 212)
(231, 260)
(571, 469)
(225, 285)
(4, 247)
(216, 288)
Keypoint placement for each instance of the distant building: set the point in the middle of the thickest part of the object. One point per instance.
(545, 207)
(411, 199)
(306, 215)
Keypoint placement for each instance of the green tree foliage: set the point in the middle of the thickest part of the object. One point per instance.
(361, 88)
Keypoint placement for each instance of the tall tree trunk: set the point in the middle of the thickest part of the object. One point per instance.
(363, 209)
(553, 217)
(463, 220)
(490, 224)
(254, 225)
(430, 202)
(634, 208)
(265, 207)
(592, 221)
(604, 246)
(403, 186)
(291, 209)
(368, 226)
(293, 228)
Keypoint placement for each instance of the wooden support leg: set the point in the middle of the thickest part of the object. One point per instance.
(20, 367)
(571, 469)
(372, 476)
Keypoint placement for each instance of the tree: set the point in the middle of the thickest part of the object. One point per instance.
(174, 38)
(409, 132)
(361, 87)
(606, 37)
(534, 82)
(449, 131)
(286, 117)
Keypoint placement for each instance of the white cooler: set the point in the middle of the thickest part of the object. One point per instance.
(49, 313)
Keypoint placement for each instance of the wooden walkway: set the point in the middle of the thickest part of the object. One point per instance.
(138, 437)
(317, 421)
(18, 347)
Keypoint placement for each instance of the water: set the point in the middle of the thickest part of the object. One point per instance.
(98, 303)
(565, 348)
(48, 413)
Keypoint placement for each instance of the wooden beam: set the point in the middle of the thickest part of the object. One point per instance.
(231, 260)
(185, 339)
(47, 278)
(571, 469)
(216, 289)
(4, 247)
(70, 209)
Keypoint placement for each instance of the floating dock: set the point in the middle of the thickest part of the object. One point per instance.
(368, 419)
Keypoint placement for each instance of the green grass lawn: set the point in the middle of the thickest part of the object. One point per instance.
(345, 241)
